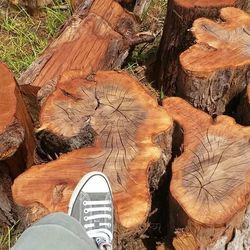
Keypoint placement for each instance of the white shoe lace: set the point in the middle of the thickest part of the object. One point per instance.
(102, 236)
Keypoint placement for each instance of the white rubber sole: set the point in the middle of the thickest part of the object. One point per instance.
(81, 183)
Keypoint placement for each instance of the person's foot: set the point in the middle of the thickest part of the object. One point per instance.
(91, 204)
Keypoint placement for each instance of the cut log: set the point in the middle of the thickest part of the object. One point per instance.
(98, 36)
(177, 38)
(210, 185)
(243, 112)
(132, 145)
(216, 69)
(16, 132)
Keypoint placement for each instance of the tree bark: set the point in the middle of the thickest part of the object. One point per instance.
(8, 210)
(16, 132)
(210, 179)
(216, 69)
(176, 36)
(128, 137)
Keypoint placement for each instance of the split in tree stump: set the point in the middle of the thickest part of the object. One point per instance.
(216, 69)
(243, 111)
(132, 144)
(176, 36)
(16, 132)
(210, 182)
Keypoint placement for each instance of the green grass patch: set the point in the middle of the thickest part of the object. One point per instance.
(152, 20)
(23, 37)
(8, 237)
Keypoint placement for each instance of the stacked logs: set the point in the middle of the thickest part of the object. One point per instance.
(88, 119)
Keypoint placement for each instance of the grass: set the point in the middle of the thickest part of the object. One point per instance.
(141, 61)
(23, 37)
(152, 20)
(7, 238)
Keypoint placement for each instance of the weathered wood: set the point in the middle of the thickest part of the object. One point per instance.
(176, 36)
(98, 36)
(216, 68)
(16, 132)
(210, 180)
(8, 212)
(132, 145)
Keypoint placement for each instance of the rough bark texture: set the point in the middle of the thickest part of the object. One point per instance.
(16, 132)
(210, 179)
(243, 112)
(98, 36)
(216, 69)
(8, 213)
(177, 37)
(131, 144)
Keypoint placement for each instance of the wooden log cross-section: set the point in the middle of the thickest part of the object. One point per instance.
(177, 37)
(216, 69)
(132, 144)
(210, 182)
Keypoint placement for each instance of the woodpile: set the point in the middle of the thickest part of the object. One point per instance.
(184, 159)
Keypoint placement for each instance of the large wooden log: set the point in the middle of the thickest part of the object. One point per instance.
(98, 36)
(16, 132)
(210, 183)
(132, 145)
(16, 144)
(176, 36)
(216, 69)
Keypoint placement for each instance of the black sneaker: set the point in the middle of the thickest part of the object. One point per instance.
(91, 204)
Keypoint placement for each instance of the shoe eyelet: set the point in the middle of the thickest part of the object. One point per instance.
(85, 210)
(84, 203)
(85, 218)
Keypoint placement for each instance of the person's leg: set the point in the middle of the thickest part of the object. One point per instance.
(91, 204)
(90, 209)
(55, 231)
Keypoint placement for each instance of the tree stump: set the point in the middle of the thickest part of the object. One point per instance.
(16, 131)
(176, 36)
(131, 145)
(216, 69)
(243, 111)
(210, 180)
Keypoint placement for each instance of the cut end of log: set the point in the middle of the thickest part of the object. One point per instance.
(8, 98)
(210, 179)
(219, 45)
(11, 132)
(204, 3)
(125, 119)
